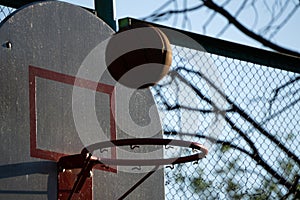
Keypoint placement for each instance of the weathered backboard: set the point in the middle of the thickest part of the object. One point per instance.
(57, 98)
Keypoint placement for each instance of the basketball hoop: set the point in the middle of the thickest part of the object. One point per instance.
(86, 162)
(149, 141)
(78, 160)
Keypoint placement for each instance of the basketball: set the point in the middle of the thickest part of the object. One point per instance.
(138, 57)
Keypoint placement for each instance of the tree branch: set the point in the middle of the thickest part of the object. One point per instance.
(210, 4)
(248, 118)
(254, 156)
(211, 139)
(155, 16)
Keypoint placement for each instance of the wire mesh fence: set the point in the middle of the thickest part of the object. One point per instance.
(247, 114)
(4, 12)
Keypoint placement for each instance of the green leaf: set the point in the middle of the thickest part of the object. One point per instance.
(179, 178)
(225, 148)
(199, 184)
(290, 136)
(232, 186)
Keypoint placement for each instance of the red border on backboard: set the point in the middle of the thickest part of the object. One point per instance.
(67, 79)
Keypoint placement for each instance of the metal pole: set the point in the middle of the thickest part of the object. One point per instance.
(105, 11)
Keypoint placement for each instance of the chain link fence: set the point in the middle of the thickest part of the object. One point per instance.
(4, 12)
(246, 113)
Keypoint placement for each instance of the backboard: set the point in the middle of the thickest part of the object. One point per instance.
(57, 98)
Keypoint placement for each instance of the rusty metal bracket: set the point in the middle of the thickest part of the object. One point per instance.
(74, 176)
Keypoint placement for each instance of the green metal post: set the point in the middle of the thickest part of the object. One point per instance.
(105, 10)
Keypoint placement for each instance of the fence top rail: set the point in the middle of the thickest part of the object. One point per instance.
(228, 49)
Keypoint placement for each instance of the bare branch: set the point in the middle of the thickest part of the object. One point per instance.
(245, 116)
(231, 19)
(212, 17)
(275, 17)
(157, 16)
(236, 14)
(255, 156)
(255, 153)
(278, 89)
(211, 139)
(287, 18)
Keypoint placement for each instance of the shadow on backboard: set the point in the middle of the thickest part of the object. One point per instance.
(13, 171)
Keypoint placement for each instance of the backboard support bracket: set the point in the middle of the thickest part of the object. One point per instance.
(75, 176)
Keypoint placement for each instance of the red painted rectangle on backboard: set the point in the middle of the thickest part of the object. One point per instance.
(46, 74)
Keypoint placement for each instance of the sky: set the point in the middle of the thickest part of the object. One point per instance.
(287, 37)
